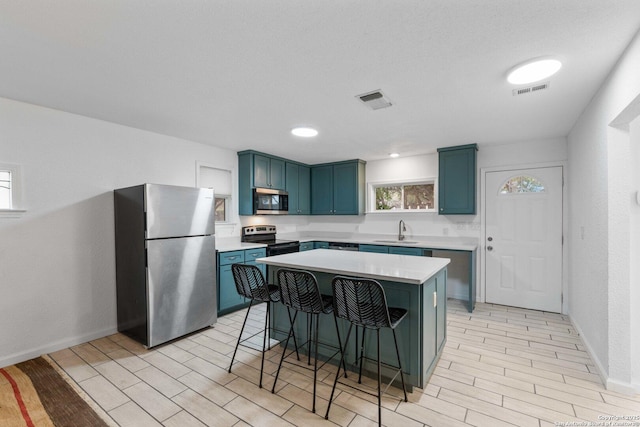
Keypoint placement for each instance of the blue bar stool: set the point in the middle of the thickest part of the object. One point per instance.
(299, 291)
(362, 302)
(250, 284)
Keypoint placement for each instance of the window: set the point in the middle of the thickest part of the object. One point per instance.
(10, 191)
(414, 196)
(220, 181)
(522, 184)
(5, 189)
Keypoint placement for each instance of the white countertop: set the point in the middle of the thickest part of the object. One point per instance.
(227, 244)
(394, 268)
(429, 242)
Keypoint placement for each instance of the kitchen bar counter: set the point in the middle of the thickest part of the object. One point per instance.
(395, 268)
(417, 284)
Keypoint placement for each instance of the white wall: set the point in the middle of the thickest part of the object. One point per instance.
(57, 268)
(599, 264)
(634, 274)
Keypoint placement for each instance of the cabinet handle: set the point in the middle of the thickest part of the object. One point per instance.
(435, 299)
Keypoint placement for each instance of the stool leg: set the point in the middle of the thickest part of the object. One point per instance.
(315, 364)
(361, 360)
(295, 342)
(240, 336)
(309, 325)
(344, 365)
(379, 381)
(284, 350)
(333, 389)
(264, 342)
(404, 389)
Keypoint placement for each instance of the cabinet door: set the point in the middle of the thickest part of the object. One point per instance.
(306, 246)
(429, 340)
(322, 190)
(304, 188)
(441, 309)
(277, 174)
(345, 189)
(457, 181)
(292, 187)
(228, 296)
(261, 171)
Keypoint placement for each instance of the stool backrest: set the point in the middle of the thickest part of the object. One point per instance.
(250, 282)
(360, 301)
(299, 290)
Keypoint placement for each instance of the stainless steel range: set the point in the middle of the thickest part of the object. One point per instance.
(267, 234)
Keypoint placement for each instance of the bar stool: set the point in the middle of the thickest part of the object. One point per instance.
(250, 284)
(299, 291)
(363, 303)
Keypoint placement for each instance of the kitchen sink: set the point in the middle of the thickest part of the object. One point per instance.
(409, 242)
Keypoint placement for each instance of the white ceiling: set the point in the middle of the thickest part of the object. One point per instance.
(241, 73)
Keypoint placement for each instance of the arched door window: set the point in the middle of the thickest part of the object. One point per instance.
(522, 184)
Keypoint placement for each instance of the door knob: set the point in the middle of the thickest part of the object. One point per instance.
(489, 248)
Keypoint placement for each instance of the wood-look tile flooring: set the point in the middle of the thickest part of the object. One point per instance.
(502, 366)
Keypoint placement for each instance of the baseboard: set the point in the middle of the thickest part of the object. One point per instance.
(12, 359)
(463, 296)
(622, 387)
(609, 383)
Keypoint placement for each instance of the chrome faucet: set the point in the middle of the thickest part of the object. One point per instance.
(401, 229)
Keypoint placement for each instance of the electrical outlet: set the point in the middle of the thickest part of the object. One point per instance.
(461, 226)
(582, 232)
(445, 231)
(474, 226)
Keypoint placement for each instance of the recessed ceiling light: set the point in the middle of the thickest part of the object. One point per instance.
(533, 71)
(305, 132)
(394, 155)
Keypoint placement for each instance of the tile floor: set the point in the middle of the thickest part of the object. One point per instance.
(501, 366)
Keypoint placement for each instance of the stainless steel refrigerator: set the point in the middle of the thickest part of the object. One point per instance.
(165, 261)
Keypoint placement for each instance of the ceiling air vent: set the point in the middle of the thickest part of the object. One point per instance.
(531, 89)
(374, 100)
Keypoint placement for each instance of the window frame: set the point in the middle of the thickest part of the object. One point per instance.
(229, 206)
(17, 207)
(371, 195)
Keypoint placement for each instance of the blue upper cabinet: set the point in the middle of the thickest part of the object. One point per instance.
(298, 185)
(257, 170)
(457, 180)
(322, 190)
(268, 172)
(338, 188)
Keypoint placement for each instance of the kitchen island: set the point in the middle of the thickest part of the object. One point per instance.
(417, 284)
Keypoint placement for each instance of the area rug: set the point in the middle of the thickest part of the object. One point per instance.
(34, 394)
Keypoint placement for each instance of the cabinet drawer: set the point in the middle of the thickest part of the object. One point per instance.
(231, 257)
(252, 254)
(399, 250)
(374, 248)
(321, 245)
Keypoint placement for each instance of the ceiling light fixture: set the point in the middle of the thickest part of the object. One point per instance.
(533, 71)
(305, 132)
(394, 155)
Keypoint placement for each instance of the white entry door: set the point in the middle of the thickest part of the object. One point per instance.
(523, 238)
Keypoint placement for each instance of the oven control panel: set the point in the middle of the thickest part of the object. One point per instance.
(258, 229)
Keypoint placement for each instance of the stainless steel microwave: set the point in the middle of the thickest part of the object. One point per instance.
(270, 202)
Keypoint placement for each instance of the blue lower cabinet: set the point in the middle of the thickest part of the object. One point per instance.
(374, 248)
(320, 245)
(228, 298)
(306, 246)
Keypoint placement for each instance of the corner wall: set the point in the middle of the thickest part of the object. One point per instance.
(57, 262)
(599, 289)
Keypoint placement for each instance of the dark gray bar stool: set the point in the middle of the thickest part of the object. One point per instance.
(250, 284)
(363, 303)
(299, 291)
